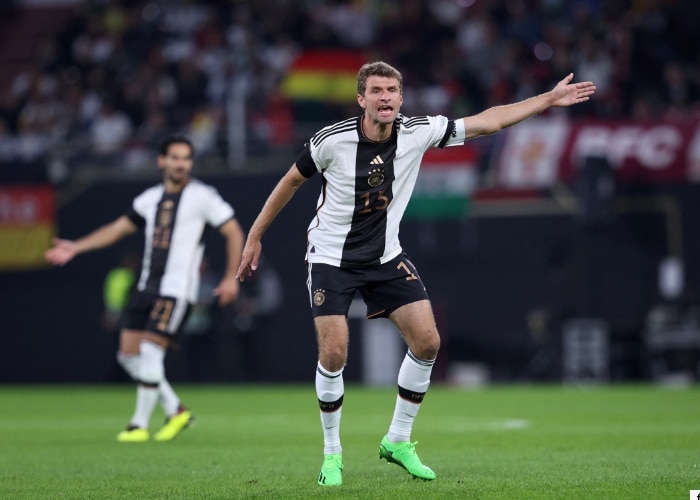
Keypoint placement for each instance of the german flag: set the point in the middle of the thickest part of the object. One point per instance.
(27, 225)
(324, 75)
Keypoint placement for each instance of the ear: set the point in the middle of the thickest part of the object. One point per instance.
(361, 101)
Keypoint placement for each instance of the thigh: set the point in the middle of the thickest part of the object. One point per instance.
(332, 335)
(129, 341)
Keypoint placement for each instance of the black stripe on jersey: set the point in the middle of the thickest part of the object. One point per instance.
(161, 237)
(374, 177)
(344, 126)
(451, 131)
(415, 121)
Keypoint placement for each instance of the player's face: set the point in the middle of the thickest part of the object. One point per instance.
(382, 100)
(177, 163)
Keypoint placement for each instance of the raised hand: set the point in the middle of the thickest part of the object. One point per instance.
(61, 252)
(568, 94)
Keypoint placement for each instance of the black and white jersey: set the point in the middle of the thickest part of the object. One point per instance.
(367, 186)
(174, 224)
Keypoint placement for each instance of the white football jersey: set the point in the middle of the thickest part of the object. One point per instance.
(367, 186)
(174, 224)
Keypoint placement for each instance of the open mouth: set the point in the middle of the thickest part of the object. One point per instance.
(385, 110)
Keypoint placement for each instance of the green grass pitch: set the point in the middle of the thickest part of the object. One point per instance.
(510, 442)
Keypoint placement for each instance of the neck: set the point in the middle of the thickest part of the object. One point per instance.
(174, 187)
(375, 131)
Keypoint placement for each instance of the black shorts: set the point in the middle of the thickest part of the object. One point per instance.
(154, 313)
(384, 288)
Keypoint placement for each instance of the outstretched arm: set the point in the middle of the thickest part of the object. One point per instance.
(497, 118)
(277, 200)
(63, 251)
(228, 288)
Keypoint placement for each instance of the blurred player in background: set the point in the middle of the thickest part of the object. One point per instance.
(173, 216)
(369, 166)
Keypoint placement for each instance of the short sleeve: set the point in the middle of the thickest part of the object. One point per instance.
(305, 162)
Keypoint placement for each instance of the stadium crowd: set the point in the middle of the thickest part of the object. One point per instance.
(118, 75)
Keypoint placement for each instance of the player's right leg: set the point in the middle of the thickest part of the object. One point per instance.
(330, 292)
(332, 334)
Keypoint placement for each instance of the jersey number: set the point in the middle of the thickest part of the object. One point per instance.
(380, 203)
(161, 237)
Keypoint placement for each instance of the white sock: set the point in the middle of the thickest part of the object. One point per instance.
(166, 395)
(146, 399)
(151, 374)
(167, 398)
(130, 363)
(330, 390)
(414, 379)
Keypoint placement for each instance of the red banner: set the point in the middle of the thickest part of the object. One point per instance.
(540, 152)
(27, 224)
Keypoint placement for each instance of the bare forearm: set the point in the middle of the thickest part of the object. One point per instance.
(104, 236)
(497, 118)
(234, 247)
(278, 199)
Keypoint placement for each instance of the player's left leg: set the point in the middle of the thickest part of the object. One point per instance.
(416, 323)
(137, 319)
(150, 375)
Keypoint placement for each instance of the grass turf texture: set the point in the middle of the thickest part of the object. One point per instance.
(265, 442)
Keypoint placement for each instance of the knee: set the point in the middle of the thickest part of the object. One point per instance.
(427, 346)
(333, 358)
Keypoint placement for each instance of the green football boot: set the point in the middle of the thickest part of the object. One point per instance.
(331, 470)
(133, 434)
(175, 425)
(404, 455)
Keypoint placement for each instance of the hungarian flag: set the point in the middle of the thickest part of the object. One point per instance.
(446, 180)
(27, 225)
(324, 75)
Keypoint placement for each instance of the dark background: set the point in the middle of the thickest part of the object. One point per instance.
(486, 276)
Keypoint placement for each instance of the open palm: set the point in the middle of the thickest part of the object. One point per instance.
(567, 94)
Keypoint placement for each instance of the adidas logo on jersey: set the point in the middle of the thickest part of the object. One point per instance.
(377, 161)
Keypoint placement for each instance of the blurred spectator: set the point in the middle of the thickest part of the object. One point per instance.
(110, 132)
(182, 56)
